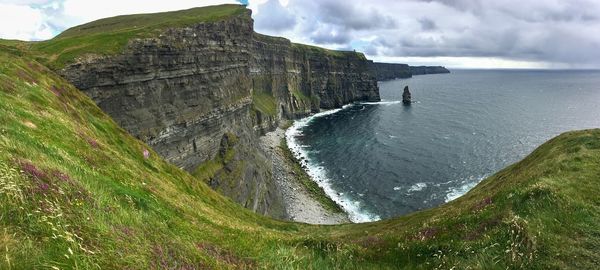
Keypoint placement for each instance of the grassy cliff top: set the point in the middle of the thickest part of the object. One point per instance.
(111, 35)
(333, 53)
(309, 48)
(78, 192)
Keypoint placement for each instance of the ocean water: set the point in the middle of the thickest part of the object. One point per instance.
(384, 159)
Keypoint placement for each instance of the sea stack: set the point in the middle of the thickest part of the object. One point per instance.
(406, 99)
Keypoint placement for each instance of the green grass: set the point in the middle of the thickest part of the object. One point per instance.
(76, 192)
(301, 97)
(111, 35)
(304, 48)
(304, 179)
(332, 53)
(208, 169)
(264, 103)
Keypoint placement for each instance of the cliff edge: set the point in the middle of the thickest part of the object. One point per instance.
(199, 86)
(390, 71)
(79, 192)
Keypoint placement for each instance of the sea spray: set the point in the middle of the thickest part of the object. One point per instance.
(464, 187)
(383, 102)
(319, 173)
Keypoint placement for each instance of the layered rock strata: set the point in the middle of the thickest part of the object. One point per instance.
(187, 90)
(390, 71)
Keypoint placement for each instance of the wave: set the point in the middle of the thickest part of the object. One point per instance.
(417, 187)
(383, 102)
(319, 173)
(466, 185)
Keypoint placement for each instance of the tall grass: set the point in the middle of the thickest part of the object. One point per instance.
(78, 192)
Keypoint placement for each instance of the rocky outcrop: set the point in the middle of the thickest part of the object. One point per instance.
(190, 89)
(304, 79)
(406, 96)
(422, 70)
(390, 71)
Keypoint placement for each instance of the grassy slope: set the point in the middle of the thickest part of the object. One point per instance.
(76, 191)
(111, 35)
(264, 103)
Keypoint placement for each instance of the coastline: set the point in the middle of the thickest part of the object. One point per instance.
(317, 173)
(302, 203)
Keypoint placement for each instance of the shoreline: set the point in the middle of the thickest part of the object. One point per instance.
(317, 173)
(301, 203)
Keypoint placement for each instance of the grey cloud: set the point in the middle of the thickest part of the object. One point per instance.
(562, 32)
(330, 36)
(274, 17)
(352, 16)
(427, 24)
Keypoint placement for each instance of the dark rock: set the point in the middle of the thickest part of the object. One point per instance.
(182, 91)
(406, 97)
(422, 70)
(390, 71)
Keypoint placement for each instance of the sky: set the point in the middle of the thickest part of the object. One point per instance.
(453, 33)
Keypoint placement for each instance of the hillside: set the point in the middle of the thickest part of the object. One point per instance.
(187, 90)
(110, 36)
(78, 191)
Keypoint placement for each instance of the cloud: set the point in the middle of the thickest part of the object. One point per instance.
(43, 19)
(279, 18)
(23, 22)
(553, 33)
(544, 32)
(88, 10)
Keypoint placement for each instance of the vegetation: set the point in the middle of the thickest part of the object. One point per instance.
(210, 168)
(78, 192)
(331, 53)
(304, 179)
(304, 48)
(111, 35)
(264, 103)
(301, 97)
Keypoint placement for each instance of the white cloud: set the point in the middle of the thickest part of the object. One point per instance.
(22, 22)
(43, 19)
(458, 33)
(89, 10)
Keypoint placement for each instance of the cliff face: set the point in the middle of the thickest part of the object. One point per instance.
(304, 79)
(188, 91)
(422, 70)
(390, 71)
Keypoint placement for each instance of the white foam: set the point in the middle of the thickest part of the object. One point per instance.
(383, 102)
(417, 187)
(466, 185)
(319, 173)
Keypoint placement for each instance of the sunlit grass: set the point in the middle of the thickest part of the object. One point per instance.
(78, 192)
(110, 36)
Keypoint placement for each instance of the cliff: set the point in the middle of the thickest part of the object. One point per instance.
(191, 89)
(421, 70)
(390, 71)
(304, 79)
(79, 192)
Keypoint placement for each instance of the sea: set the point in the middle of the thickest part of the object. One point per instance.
(384, 159)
